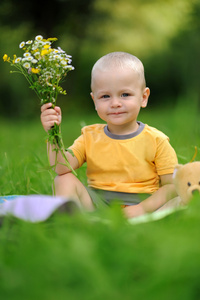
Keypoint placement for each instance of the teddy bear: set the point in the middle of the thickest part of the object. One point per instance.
(187, 180)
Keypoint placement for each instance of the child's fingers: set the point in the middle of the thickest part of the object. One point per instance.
(45, 106)
(47, 110)
(57, 109)
(48, 123)
(50, 116)
(45, 118)
(51, 124)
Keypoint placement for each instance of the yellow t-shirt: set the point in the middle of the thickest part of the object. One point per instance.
(130, 163)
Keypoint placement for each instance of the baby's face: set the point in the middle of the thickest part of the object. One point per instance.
(118, 95)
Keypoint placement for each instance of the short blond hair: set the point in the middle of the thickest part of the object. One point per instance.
(121, 60)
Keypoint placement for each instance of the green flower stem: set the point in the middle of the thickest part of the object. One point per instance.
(28, 78)
(55, 138)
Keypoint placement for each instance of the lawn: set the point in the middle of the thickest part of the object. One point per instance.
(95, 256)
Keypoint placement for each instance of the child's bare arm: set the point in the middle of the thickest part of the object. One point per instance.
(165, 193)
(50, 116)
(61, 168)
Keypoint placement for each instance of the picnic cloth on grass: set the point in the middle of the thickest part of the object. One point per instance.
(32, 208)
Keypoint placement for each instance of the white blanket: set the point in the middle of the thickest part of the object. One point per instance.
(33, 208)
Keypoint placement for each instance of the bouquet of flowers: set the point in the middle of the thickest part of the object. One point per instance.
(44, 68)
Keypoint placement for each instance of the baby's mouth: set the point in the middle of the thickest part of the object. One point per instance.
(116, 113)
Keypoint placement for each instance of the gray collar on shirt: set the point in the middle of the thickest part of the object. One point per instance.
(124, 136)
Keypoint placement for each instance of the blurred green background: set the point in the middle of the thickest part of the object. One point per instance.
(164, 34)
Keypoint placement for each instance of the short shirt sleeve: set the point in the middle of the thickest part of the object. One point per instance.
(166, 158)
(78, 148)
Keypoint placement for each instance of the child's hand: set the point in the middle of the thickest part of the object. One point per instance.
(49, 116)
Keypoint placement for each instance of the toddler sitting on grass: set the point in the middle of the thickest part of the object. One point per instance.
(126, 159)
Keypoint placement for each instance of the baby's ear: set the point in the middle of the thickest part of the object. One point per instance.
(91, 94)
(145, 97)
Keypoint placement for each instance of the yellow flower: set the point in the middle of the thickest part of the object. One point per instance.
(6, 58)
(46, 46)
(35, 71)
(14, 58)
(52, 39)
(44, 52)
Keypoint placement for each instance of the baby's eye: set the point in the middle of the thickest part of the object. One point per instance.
(125, 95)
(105, 96)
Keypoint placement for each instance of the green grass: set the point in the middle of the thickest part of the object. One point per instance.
(81, 257)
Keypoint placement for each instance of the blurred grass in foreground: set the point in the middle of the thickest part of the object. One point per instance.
(81, 257)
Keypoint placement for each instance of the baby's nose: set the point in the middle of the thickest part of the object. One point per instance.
(116, 102)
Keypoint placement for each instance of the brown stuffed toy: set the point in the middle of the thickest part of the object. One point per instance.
(187, 180)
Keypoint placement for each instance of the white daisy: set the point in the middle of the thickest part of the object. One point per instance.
(29, 42)
(29, 58)
(22, 44)
(27, 54)
(17, 60)
(63, 62)
(34, 61)
(39, 38)
(26, 65)
(56, 56)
